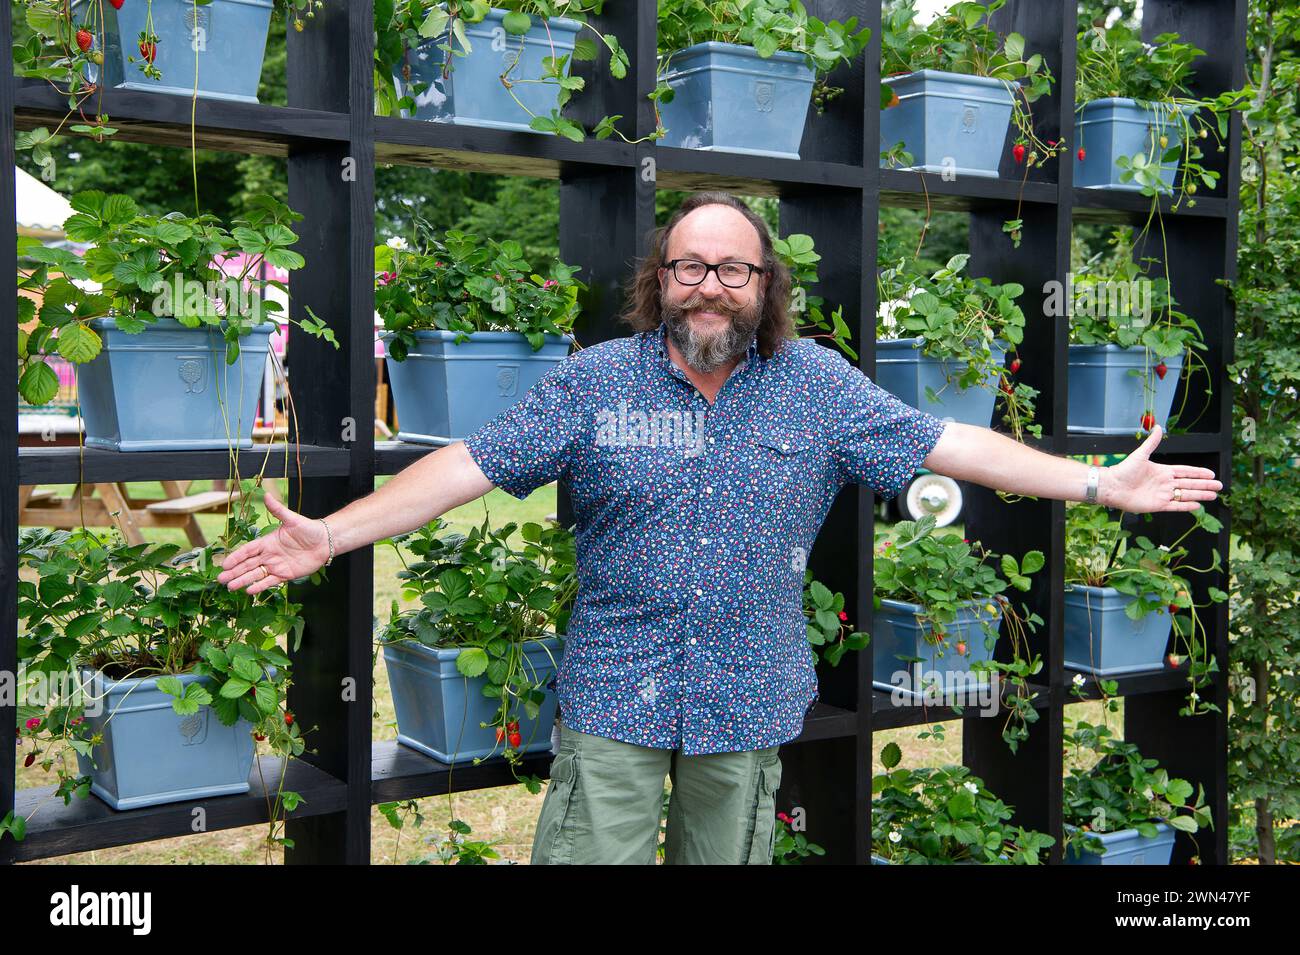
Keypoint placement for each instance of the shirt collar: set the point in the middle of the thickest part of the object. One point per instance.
(660, 338)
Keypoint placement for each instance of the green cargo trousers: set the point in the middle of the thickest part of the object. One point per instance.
(605, 800)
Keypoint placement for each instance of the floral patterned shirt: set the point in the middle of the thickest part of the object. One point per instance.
(693, 526)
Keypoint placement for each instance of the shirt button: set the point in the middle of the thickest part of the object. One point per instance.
(704, 540)
(785, 447)
(708, 490)
(692, 641)
(699, 592)
(710, 439)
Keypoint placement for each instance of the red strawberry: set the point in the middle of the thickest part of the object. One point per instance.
(515, 740)
(259, 737)
(117, 4)
(1148, 421)
(501, 734)
(1173, 608)
(1014, 366)
(31, 758)
(288, 718)
(512, 725)
(84, 39)
(1173, 659)
(961, 648)
(148, 49)
(1081, 154)
(1006, 386)
(1161, 369)
(1018, 150)
(844, 616)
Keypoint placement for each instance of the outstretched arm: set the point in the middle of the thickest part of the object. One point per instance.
(1137, 484)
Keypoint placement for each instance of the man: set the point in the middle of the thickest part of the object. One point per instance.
(702, 454)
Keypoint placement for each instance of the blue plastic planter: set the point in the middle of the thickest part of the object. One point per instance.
(1104, 398)
(727, 98)
(439, 709)
(951, 123)
(150, 754)
(905, 372)
(896, 633)
(230, 36)
(1117, 126)
(1126, 847)
(1101, 639)
(444, 391)
(164, 388)
(472, 93)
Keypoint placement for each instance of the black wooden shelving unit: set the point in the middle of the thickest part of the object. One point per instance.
(834, 193)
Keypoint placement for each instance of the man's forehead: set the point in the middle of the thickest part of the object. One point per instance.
(713, 230)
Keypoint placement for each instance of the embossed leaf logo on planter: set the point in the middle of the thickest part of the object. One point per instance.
(195, 728)
(969, 119)
(197, 18)
(191, 370)
(507, 380)
(763, 96)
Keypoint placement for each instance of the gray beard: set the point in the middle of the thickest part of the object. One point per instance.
(707, 353)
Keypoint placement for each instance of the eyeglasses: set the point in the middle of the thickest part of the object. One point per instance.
(730, 274)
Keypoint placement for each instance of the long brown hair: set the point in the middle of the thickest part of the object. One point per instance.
(643, 311)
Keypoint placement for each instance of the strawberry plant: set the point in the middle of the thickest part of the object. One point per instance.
(800, 256)
(830, 635)
(1101, 552)
(146, 267)
(1115, 301)
(1120, 790)
(945, 815)
(944, 575)
(63, 44)
(766, 25)
(92, 605)
(958, 319)
(402, 26)
(960, 40)
(490, 599)
(460, 283)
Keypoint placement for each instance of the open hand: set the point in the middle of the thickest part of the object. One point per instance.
(296, 548)
(1139, 485)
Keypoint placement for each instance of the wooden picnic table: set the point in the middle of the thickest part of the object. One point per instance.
(94, 504)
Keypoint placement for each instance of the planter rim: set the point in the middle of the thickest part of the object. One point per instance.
(498, 13)
(164, 323)
(949, 76)
(894, 604)
(408, 643)
(1124, 349)
(1129, 101)
(140, 682)
(1001, 344)
(1121, 834)
(741, 49)
(439, 334)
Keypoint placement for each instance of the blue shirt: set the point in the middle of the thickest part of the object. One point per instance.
(693, 526)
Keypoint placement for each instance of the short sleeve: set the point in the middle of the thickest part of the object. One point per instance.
(530, 443)
(878, 439)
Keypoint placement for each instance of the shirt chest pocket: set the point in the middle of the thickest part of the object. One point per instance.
(784, 461)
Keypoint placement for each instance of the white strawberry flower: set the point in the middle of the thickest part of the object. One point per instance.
(1078, 679)
(396, 242)
(972, 787)
(895, 837)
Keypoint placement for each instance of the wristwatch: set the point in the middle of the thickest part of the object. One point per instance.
(1094, 475)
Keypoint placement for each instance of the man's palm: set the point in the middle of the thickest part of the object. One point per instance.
(296, 548)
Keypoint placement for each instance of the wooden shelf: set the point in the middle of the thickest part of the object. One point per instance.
(65, 465)
(90, 823)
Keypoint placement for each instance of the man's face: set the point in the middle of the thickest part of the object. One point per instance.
(711, 323)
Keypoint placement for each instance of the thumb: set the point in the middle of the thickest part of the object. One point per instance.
(1146, 448)
(278, 510)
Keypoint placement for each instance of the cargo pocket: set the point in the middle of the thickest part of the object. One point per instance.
(764, 841)
(553, 845)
